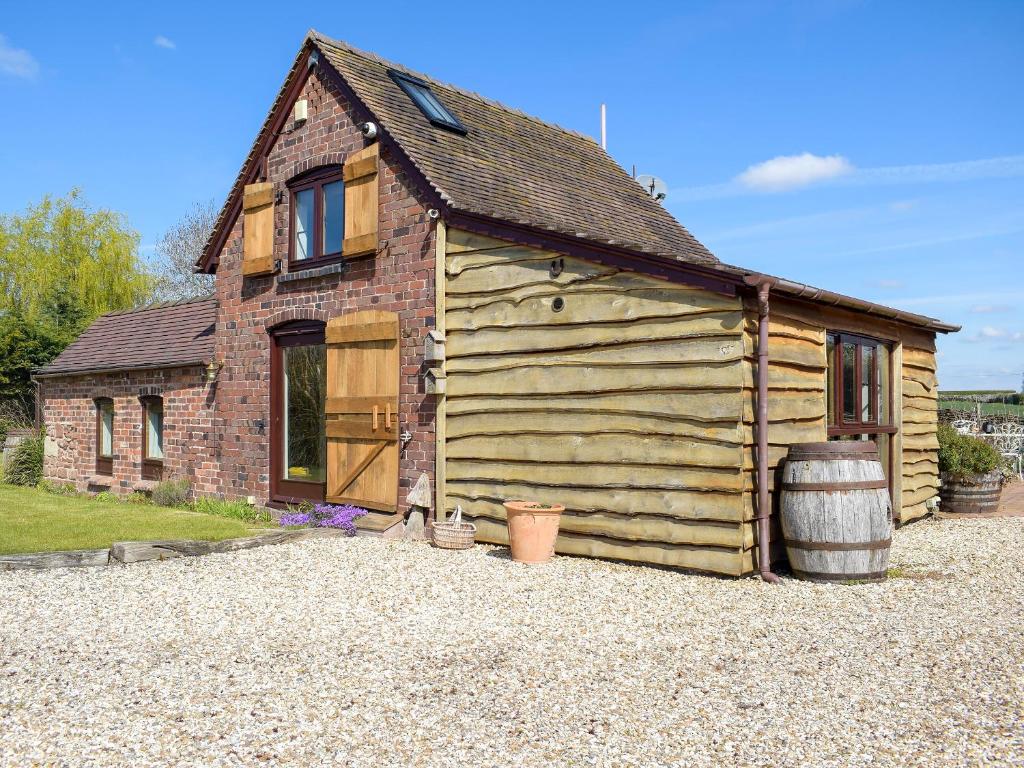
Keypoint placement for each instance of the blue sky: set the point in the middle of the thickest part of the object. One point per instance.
(873, 148)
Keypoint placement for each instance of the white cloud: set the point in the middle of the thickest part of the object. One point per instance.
(989, 309)
(989, 333)
(1010, 166)
(164, 42)
(902, 206)
(794, 171)
(17, 62)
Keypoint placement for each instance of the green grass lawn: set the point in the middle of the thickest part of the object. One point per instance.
(35, 521)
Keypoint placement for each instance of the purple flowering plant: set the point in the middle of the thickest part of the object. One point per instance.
(341, 516)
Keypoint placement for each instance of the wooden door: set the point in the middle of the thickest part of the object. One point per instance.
(362, 410)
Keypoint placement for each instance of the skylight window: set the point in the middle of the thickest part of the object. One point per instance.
(424, 98)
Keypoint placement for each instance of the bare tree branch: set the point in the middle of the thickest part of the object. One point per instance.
(177, 252)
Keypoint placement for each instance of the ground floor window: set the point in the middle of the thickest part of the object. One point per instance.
(298, 432)
(104, 436)
(152, 438)
(858, 393)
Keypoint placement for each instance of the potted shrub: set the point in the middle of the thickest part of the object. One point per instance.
(532, 529)
(971, 472)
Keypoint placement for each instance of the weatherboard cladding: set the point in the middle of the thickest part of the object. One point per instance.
(158, 336)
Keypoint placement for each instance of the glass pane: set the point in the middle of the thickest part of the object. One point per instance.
(429, 104)
(154, 430)
(830, 380)
(107, 430)
(883, 384)
(882, 441)
(334, 217)
(303, 236)
(849, 382)
(305, 439)
(868, 384)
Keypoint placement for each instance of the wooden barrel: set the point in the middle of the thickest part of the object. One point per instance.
(836, 513)
(972, 495)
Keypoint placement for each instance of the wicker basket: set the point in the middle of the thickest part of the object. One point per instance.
(454, 534)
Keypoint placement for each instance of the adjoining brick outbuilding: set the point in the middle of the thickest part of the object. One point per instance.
(128, 403)
(414, 280)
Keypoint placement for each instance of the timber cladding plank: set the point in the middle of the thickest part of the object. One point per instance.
(631, 527)
(586, 380)
(459, 240)
(687, 505)
(597, 449)
(585, 308)
(709, 407)
(569, 423)
(663, 352)
(587, 335)
(731, 562)
(574, 475)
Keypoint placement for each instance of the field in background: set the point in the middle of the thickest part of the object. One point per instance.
(997, 402)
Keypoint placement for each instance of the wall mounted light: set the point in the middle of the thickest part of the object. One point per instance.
(212, 369)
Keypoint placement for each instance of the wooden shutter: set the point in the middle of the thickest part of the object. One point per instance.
(361, 201)
(258, 229)
(362, 410)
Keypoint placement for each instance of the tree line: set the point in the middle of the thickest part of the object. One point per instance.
(63, 264)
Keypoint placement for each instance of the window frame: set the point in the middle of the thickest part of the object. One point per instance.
(104, 462)
(842, 426)
(298, 333)
(410, 84)
(315, 180)
(152, 468)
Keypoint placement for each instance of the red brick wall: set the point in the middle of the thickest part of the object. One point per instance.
(399, 279)
(69, 413)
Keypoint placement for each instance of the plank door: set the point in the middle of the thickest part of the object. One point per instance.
(362, 410)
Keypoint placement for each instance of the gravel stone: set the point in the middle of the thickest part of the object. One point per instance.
(365, 652)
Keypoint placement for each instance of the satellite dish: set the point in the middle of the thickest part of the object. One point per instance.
(653, 186)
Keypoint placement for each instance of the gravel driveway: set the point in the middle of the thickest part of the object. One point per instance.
(368, 653)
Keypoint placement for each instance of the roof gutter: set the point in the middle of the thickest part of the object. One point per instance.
(43, 374)
(821, 296)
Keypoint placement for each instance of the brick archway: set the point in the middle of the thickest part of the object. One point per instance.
(327, 158)
(291, 315)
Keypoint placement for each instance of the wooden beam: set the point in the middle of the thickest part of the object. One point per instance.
(441, 414)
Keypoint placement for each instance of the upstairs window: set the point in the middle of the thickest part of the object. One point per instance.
(424, 98)
(104, 436)
(318, 216)
(152, 437)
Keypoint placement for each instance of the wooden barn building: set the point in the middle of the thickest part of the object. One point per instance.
(412, 279)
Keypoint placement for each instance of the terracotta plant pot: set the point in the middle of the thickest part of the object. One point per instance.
(532, 530)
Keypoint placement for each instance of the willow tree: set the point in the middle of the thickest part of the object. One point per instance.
(63, 264)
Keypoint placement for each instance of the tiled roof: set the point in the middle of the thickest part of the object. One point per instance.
(513, 167)
(161, 335)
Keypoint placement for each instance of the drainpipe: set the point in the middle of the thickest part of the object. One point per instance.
(764, 562)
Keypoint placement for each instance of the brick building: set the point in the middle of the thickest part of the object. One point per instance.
(412, 279)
